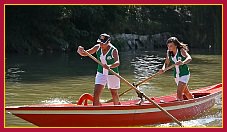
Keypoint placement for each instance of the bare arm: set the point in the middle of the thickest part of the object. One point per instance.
(185, 54)
(92, 50)
(116, 59)
(166, 63)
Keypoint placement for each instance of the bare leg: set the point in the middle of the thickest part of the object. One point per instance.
(115, 96)
(187, 93)
(97, 92)
(180, 90)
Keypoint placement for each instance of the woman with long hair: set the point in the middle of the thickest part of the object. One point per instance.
(177, 54)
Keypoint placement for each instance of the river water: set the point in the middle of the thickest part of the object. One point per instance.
(62, 78)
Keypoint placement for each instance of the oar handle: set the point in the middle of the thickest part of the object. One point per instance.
(129, 84)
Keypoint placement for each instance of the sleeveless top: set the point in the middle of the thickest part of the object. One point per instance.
(106, 59)
(179, 70)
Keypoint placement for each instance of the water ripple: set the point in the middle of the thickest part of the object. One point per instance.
(146, 65)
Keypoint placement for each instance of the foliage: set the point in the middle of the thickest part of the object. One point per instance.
(48, 28)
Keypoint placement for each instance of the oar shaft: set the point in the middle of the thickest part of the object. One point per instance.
(130, 85)
(149, 78)
(145, 80)
(120, 95)
(171, 116)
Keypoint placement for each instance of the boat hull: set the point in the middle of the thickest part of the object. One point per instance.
(127, 114)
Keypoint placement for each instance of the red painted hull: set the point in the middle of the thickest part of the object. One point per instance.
(127, 114)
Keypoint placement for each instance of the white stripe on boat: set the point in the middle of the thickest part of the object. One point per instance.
(101, 112)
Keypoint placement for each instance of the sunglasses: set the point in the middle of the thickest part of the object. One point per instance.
(104, 41)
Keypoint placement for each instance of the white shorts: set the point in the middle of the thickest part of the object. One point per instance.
(183, 79)
(112, 81)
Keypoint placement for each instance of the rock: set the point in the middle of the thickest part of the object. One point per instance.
(140, 42)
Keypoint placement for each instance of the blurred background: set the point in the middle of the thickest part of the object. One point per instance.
(53, 28)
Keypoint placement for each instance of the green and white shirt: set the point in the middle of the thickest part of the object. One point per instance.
(106, 59)
(179, 70)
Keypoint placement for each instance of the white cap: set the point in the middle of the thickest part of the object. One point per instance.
(105, 35)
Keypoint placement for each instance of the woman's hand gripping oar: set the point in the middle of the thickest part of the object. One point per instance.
(145, 80)
(138, 91)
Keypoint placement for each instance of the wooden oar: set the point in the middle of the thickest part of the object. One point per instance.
(130, 85)
(149, 78)
(145, 80)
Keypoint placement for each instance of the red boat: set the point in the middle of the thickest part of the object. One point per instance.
(129, 113)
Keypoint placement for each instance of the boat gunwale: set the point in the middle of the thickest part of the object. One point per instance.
(114, 107)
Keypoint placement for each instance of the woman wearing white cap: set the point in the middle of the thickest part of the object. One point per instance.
(108, 55)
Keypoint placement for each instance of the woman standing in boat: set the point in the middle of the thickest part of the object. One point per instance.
(177, 54)
(108, 55)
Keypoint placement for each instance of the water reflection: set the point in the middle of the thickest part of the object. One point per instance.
(63, 78)
(146, 65)
(13, 74)
(56, 101)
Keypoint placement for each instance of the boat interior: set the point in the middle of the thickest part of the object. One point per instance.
(163, 99)
(196, 95)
